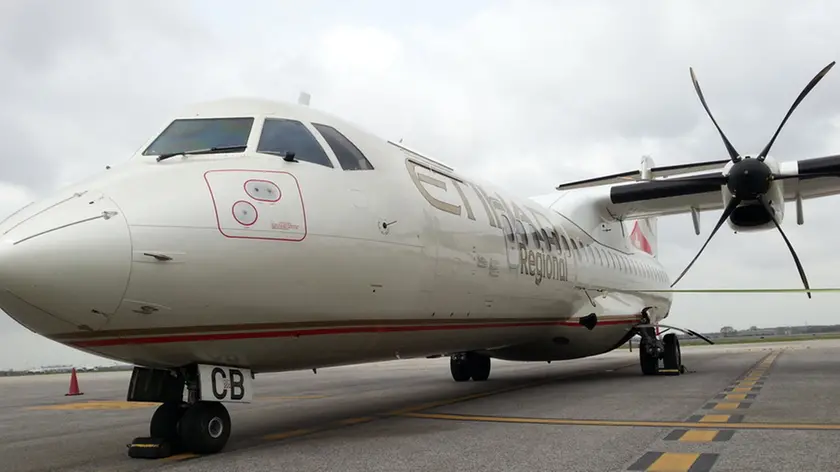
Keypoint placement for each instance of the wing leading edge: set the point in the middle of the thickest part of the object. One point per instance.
(803, 179)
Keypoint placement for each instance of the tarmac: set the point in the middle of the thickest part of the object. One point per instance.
(752, 407)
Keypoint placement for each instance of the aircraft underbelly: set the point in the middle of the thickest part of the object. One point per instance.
(294, 352)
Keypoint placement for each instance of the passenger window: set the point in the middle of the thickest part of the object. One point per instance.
(348, 155)
(573, 251)
(565, 245)
(597, 251)
(280, 136)
(508, 230)
(536, 235)
(546, 238)
(520, 231)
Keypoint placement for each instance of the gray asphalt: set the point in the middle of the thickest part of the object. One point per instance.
(406, 415)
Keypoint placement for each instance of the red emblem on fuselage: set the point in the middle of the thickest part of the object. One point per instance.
(639, 240)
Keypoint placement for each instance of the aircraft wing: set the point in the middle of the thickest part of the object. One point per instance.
(661, 171)
(803, 179)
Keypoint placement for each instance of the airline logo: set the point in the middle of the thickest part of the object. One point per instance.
(252, 204)
(637, 237)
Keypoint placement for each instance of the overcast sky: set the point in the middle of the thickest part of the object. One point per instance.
(525, 94)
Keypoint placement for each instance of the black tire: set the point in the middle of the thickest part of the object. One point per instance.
(648, 363)
(205, 428)
(672, 357)
(460, 368)
(479, 367)
(164, 423)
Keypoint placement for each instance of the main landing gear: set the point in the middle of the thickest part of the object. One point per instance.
(469, 365)
(190, 417)
(667, 350)
(199, 428)
(660, 356)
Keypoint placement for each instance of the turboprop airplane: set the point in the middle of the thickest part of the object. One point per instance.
(251, 236)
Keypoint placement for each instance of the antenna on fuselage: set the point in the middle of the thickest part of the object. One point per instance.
(303, 99)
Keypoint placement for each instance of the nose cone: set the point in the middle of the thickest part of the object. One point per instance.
(64, 264)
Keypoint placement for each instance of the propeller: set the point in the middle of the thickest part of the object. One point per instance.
(749, 179)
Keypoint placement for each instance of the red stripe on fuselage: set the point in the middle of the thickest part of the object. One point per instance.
(322, 331)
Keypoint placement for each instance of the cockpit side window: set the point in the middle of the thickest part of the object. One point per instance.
(281, 135)
(201, 133)
(348, 155)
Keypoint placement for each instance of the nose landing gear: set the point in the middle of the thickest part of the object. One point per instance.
(469, 365)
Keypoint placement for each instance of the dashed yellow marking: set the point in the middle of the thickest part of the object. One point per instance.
(727, 406)
(674, 462)
(96, 405)
(746, 384)
(714, 419)
(699, 435)
(736, 396)
(741, 389)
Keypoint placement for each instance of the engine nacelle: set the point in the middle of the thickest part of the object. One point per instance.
(751, 216)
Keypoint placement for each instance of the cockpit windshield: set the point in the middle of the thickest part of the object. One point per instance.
(201, 133)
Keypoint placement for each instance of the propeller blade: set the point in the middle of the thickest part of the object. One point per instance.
(726, 212)
(799, 99)
(769, 210)
(806, 176)
(735, 290)
(733, 154)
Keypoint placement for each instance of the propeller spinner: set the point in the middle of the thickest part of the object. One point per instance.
(749, 179)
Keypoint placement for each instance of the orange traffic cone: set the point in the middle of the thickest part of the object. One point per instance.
(74, 385)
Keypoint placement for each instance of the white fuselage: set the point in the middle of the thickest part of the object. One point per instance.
(195, 259)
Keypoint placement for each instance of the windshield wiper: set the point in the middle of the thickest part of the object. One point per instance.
(288, 156)
(201, 151)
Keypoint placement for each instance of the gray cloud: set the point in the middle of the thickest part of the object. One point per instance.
(526, 94)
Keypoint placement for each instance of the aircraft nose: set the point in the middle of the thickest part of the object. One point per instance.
(64, 263)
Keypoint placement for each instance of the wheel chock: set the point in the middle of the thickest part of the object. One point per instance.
(149, 448)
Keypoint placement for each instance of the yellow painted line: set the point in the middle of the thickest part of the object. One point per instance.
(180, 457)
(352, 421)
(674, 462)
(430, 405)
(736, 396)
(746, 384)
(741, 389)
(727, 406)
(96, 405)
(291, 434)
(709, 421)
(416, 408)
(699, 435)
